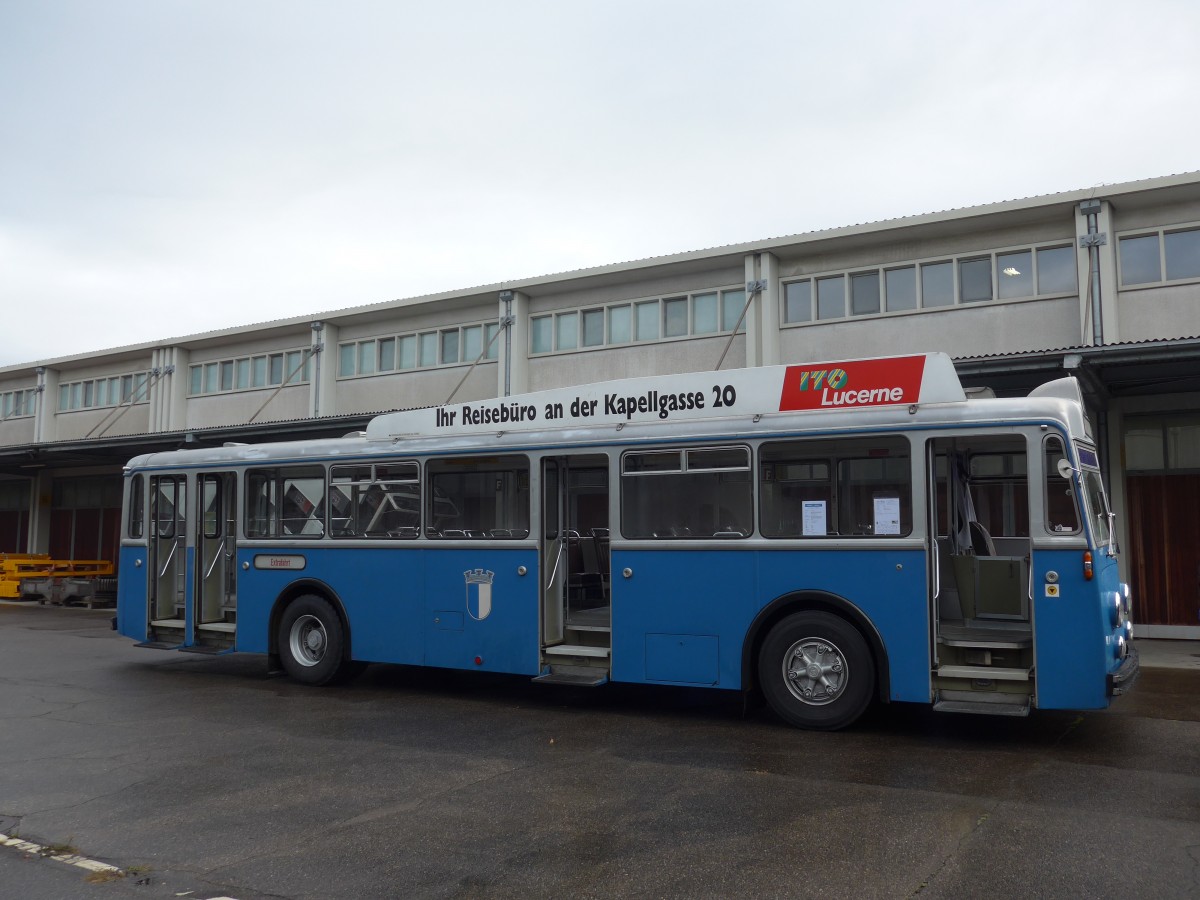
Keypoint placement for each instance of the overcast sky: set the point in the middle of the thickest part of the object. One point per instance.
(168, 167)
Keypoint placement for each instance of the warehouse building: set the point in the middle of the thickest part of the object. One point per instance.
(1102, 283)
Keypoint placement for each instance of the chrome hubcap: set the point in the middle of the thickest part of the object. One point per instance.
(308, 640)
(815, 671)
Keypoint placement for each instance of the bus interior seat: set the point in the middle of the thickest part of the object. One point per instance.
(981, 541)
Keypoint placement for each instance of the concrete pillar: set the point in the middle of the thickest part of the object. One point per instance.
(513, 372)
(157, 399)
(1106, 245)
(40, 500)
(754, 336)
(322, 388)
(769, 317)
(176, 391)
(45, 420)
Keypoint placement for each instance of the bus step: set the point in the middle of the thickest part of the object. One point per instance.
(206, 650)
(158, 645)
(577, 650)
(578, 676)
(983, 672)
(984, 707)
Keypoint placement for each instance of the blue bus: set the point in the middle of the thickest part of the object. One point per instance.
(828, 535)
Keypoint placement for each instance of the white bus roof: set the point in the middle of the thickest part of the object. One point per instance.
(890, 394)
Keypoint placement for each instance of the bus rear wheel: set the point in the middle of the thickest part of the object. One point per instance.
(816, 671)
(311, 640)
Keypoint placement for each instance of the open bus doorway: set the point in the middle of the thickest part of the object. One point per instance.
(576, 576)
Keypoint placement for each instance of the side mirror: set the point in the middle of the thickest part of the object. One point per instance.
(1065, 469)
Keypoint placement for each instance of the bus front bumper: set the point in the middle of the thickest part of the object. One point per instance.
(1122, 680)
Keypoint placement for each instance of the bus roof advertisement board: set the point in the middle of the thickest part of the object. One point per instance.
(864, 382)
(851, 384)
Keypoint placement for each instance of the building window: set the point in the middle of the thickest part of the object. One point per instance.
(541, 330)
(704, 314)
(566, 331)
(733, 306)
(18, 404)
(1026, 272)
(647, 321)
(864, 293)
(691, 315)
(1014, 274)
(797, 301)
(1182, 252)
(397, 353)
(831, 297)
(593, 327)
(900, 288)
(937, 284)
(116, 390)
(450, 346)
(1163, 443)
(975, 280)
(1164, 255)
(675, 317)
(366, 358)
(246, 372)
(620, 325)
(1140, 262)
(1056, 270)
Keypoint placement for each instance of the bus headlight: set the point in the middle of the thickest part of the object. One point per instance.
(1113, 600)
(1126, 602)
(1122, 647)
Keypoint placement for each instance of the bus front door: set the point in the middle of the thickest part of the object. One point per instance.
(576, 598)
(214, 613)
(982, 652)
(168, 558)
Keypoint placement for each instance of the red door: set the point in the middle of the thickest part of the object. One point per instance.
(1164, 536)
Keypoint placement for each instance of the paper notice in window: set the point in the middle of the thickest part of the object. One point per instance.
(814, 517)
(887, 515)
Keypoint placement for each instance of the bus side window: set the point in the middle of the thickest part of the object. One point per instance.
(692, 494)
(137, 506)
(1062, 510)
(476, 498)
(844, 487)
(285, 502)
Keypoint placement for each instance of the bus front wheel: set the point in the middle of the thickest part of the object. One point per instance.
(311, 640)
(816, 671)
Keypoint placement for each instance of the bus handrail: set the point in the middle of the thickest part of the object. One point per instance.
(213, 565)
(937, 567)
(170, 556)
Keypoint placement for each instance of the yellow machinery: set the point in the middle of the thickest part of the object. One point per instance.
(37, 576)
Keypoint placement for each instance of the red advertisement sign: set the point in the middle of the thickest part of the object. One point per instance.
(853, 384)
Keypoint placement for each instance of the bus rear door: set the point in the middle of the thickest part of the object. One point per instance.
(214, 597)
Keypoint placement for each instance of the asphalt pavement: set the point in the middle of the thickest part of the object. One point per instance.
(207, 778)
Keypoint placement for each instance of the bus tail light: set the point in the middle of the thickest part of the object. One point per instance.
(1087, 565)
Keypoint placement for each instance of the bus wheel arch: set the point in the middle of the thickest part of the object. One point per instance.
(309, 634)
(838, 608)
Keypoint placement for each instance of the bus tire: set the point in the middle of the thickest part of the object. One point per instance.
(816, 671)
(311, 640)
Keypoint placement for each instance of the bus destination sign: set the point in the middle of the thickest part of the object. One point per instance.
(846, 385)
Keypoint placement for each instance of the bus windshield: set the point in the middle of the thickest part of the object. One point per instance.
(1098, 511)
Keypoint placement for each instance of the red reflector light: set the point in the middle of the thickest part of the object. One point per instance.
(1087, 565)
(479, 659)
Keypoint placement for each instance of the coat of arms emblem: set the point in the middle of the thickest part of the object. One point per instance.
(479, 593)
